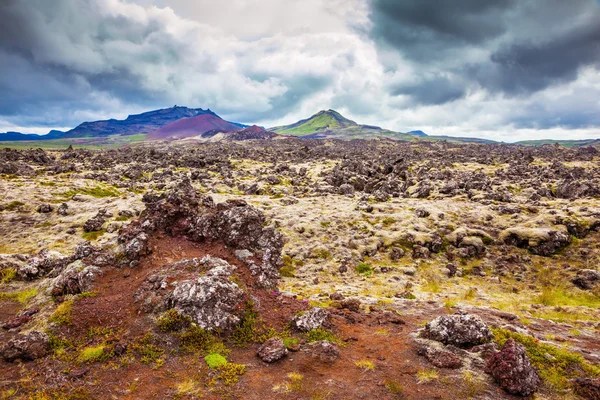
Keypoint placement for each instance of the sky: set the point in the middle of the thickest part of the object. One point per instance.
(501, 69)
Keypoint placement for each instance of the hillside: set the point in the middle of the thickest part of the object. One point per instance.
(190, 127)
(19, 137)
(136, 124)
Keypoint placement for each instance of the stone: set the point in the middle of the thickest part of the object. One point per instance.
(586, 279)
(512, 370)
(324, 351)
(312, 319)
(460, 329)
(28, 347)
(587, 388)
(272, 350)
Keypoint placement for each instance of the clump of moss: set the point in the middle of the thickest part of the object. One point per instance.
(555, 365)
(94, 354)
(289, 267)
(364, 269)
(94, 235)
(215, 360)
(172, 321)
(96, 191)
(12, 206)
(315, 335)
(22, 296)
(62, 314)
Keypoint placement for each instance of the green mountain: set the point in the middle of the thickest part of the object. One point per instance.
(320, 122)
(332, 124)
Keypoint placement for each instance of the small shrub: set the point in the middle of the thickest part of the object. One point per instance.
(364, 269)
(7, 275)
(215, 360)
(251, 330)
(229, 373)
(188, 388)
(427, 376)
(290, 342)
(394, 387)
(323, 254)
(195, 339)
(62, 314)
(365, 365)
(172, 321)
(148, 351)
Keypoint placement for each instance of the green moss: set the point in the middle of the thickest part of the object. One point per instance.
(555, 365)
(122, 218)
(22, 296)
(95, 191)
(12, 206)
(172, 321)
(553, 296)
(319, 334)
(387, 221)
(323, 254)
(364, 269)
(215, 360)
(94, 354)
(62, 314)
(290, 341)
(91, 236)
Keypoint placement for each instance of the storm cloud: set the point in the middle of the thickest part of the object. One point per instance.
(504, 69)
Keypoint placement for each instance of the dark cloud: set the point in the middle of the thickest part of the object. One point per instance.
(432, 91)
(530, 44)
(523, 67)
(431, 29)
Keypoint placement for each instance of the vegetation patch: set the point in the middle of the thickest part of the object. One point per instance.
(196, 340)
(315, 335)
(252, 329)
(22, 296)
(365, 365)
(62, 314)
(7, 275)
(12, 206)
(95, 191)
(364, 269)
(215, 360)
(91, 236)
(148, 351)
(555, 365)
(94, 354)
(172, 321)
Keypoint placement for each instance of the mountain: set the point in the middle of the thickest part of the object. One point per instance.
(19, 137)
(193, 126)
(136, 124)
(331, 124)
(320, 122)
(252, 132)
(417, 133)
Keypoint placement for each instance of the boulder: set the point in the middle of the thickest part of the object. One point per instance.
(272, 350)
(212, 300)
(441, 358)
(586, 279)
(324, 351)
(512, 370)
(540, 241)
(587, 388)
(312, 319)
(28, 347)
(460, 329)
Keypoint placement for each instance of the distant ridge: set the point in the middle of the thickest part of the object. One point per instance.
(193, 126)
(135, 124)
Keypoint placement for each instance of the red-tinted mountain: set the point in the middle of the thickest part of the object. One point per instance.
(136, 124)
(193, 126)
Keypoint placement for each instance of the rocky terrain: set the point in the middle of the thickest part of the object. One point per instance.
(300, 269)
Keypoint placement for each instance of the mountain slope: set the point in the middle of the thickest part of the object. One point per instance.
(320, 122)
(135, 124)
(193, 126)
